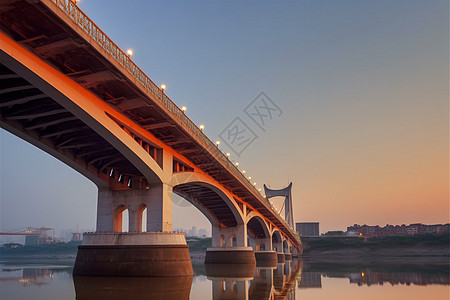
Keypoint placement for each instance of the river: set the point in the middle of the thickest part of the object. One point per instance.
(410, 279)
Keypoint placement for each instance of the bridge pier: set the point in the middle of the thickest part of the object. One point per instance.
(157, 200)
(265, 257)
(146, 254)
(110, 252)
(229, 246)
(281, 257)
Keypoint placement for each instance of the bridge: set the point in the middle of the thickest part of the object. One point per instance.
(68, 89)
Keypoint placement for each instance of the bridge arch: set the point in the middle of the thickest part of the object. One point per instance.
(277, 241)
(286, 247)
(258, 232)
(217, 204)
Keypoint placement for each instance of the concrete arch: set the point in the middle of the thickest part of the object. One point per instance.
(187, 184)
(86, 107)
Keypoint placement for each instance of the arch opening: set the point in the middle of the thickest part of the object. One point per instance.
(258, 234)
(285, 247)
(233, 241)
(276, 241)
(210, 201)
(120, 219)
(141, 222)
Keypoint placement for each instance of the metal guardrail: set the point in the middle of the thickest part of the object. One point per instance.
(97, 35)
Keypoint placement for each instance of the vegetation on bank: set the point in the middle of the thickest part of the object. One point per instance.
(311, 245)
(39, 250)
(429, 241)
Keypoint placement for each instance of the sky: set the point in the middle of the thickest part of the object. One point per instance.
(363, 89)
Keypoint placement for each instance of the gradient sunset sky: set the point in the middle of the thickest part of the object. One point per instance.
(363, 86)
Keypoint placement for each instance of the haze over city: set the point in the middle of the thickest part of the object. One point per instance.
(362, 86)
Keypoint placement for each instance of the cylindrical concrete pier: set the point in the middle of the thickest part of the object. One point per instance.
(232, 255)
(288, 256)
(281, 257)
(266, 258)
(146, 254)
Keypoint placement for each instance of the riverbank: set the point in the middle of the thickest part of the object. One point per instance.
(393, 246)
(49, 251)
(427, 247)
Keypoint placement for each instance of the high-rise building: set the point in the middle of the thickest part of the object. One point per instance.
(307, 229)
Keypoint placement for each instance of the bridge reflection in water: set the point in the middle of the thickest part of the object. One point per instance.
(228, 282)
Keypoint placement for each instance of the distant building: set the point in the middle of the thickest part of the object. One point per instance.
(307, 229)
(396, 230)
(192, 232)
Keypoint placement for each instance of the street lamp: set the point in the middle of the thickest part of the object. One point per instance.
(217, 143)
(202, 127)
(183, 108)
(130, 52)
(228, 154)
(163, 87)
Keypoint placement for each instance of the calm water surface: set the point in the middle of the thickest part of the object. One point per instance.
(395, 279)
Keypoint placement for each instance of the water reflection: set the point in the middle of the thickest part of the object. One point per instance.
(94, 288)
(265, 282)
(32, 276)
(49, 281)
(377, 273)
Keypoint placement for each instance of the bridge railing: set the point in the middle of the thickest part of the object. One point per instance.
(97, 35)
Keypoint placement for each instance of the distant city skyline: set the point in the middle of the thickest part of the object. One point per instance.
(363, 87)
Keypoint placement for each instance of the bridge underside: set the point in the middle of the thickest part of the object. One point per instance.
(256, 229)
(209, 201)
(27, 111)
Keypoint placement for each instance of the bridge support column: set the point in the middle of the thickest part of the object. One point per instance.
(229, 246)
(157, 200)
(265, 257)
(110, 252)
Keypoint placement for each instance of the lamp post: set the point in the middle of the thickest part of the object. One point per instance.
(163, 87)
